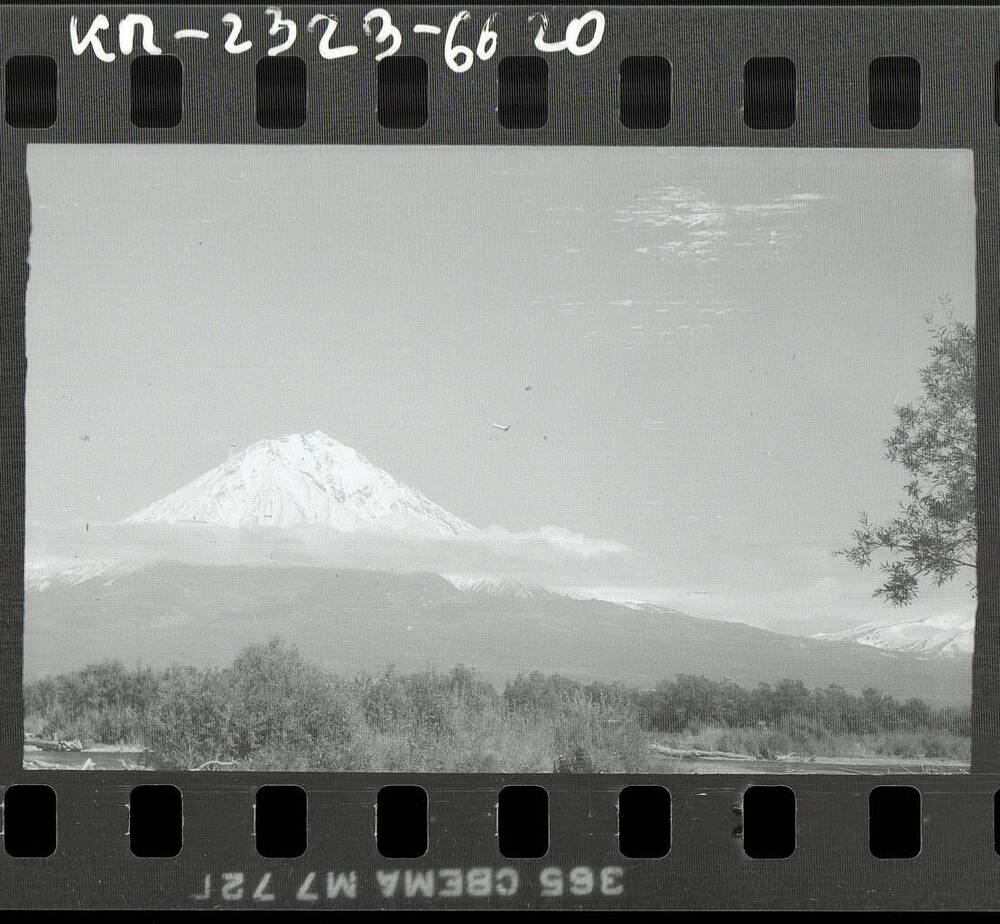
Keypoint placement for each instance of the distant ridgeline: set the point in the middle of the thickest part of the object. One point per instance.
(271, 709)
(352, 620)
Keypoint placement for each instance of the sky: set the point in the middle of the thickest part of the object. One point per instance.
(698, 351)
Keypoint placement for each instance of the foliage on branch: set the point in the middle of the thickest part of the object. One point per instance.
(934, 533)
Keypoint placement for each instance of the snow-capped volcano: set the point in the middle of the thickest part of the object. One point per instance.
(303, 480)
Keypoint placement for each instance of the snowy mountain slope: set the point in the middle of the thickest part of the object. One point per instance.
(935, 636)
(40, 574)
(499, 587)
(303, 479)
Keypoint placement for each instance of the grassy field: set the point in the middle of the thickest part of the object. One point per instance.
(271, 709)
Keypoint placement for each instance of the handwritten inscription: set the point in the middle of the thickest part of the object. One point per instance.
(462, 45)
(315, 887)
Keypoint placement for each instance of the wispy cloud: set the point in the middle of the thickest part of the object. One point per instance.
(687, 225)
(541, 553)
(683, 222)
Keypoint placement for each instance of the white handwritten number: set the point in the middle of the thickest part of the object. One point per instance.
(487, 46)
(458, 57)
(79, 45)
(276, 27)
(571, 42)
(577, 26)
(326, 50)
(386, 33)
(232, 45)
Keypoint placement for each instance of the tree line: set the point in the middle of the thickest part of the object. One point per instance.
(272, 708)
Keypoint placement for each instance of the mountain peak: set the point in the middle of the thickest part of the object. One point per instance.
(499, 586)
(303, 479)
(315, 441)
(316, 438)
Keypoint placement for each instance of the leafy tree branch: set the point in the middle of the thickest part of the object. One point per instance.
(933, 535)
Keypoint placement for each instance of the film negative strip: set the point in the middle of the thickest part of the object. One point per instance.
(500, 457)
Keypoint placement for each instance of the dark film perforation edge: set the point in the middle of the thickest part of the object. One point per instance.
(769, 93)
(644, 92)
(401, 821)
(281, 821)
(31, 91)
(281, 92)
(894, 93)
(156, 83)
(523, 92)
(402, 92)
